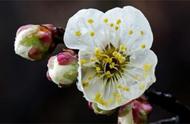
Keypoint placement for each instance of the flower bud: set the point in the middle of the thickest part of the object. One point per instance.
(34, 42)
(62, 68)
(99, 111)
(140, 110)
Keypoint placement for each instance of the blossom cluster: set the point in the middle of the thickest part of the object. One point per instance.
(114, 63)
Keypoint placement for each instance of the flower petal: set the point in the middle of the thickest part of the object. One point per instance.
(81, 30)
(138, 76)
(142, 66)
(135, 29)
(90, 84)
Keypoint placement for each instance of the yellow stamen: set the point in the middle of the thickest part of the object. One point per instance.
(92, 34)
(112, 65)
(116, 28)
(114, 53)
(98, 52)
(83, 61)
(142, 33)
(111, 25)
(118, 56)
(108, 60)
(105, 20)
(98, 69)
(147, 67)
(130, 32)
(93, 59)
(85, 83)
(90, 21)
(78, 33)
(143, 46)
(118, 21)
(100, 100)
(122, 48)
(108, 74)
(124, 88)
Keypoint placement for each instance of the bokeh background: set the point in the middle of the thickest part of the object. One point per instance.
(27, 96)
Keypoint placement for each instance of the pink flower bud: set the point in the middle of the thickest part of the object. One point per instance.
(140, 110)
(62, 68)
(34, 42)
(66, 57)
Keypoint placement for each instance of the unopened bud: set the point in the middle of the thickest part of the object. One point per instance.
(62, 68)
(34, 42)
(140, 110)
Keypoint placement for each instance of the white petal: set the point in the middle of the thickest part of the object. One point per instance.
(111, 28)
(82, 29)
(127, 26)
(142, 66)
(90, 84)
(136, 22)
(135, 81)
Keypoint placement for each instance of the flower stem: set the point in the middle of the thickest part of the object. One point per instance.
(125, 115)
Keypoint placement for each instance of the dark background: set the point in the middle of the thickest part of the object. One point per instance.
(27, 96)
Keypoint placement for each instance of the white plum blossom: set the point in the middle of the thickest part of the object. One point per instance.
(116, 64)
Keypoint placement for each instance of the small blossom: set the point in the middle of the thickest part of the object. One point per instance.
(35, 42)
(114, 68)
(62, 68)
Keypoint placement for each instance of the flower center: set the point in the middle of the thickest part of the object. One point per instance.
(111, 62)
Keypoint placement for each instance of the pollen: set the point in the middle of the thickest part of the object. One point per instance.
(97, 52)
(122, 48)
(147, 67)
(124, 88)
(142, 33)
(130, 32)
(111, 25)
(116, 28)
(85, 83)
(143, 46)
(112, 65)
(105, 20)
(119, 57)
(118, 22)
(78, 33)
(98, 69)
(83, 61)
(98, 98)
(92, 34)
(107, 60)
(108, 74)
(90, 21)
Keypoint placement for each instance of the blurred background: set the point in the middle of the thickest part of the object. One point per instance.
(27, 96)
